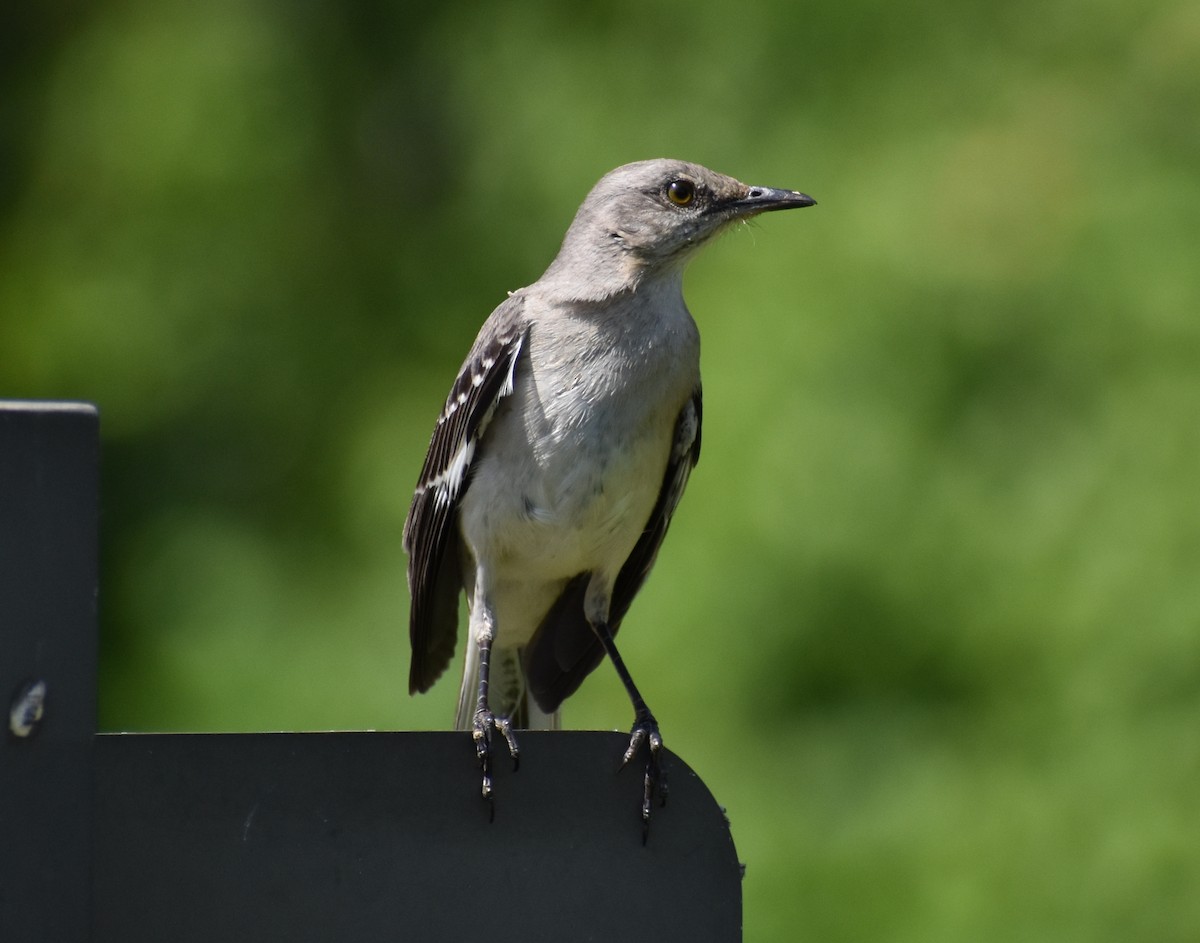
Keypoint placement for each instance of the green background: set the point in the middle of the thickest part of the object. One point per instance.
(927, 622)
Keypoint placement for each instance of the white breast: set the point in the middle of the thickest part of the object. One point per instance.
(572, 464)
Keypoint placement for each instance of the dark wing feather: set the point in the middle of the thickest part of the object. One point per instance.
(565, 650)
(431, 531)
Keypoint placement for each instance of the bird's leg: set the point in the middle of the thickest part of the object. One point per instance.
(485, 721)
(645, 730)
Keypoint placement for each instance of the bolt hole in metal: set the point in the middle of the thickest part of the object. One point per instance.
(28, 708)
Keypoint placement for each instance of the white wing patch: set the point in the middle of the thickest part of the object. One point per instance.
(447, 484)
(510, 380)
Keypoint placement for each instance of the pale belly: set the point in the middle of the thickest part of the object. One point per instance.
(573, 461)
(579, 509)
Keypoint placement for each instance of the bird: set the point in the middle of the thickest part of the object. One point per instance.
(560, 456)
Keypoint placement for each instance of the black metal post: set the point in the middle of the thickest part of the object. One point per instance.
(48, 577)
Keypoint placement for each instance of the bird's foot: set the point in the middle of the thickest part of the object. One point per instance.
(481, 732)
(654, 783)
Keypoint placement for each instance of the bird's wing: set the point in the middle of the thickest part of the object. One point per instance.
(685, 453)
(565, 650)
(431, 530)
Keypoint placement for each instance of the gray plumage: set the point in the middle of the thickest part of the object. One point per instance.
(563, 450)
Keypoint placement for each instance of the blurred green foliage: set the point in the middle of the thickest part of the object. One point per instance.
(928, 619)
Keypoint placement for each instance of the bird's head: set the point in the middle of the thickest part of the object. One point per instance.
(647, 218)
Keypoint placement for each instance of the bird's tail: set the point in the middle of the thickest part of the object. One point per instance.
(508, 693)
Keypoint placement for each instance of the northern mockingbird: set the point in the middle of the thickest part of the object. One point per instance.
(561, 454)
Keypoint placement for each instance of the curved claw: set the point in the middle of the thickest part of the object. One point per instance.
(484, 724)
(504, 725)
(654, 780)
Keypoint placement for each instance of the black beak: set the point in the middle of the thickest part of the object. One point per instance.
(766, 199)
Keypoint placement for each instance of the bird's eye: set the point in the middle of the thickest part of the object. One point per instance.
(681, 192)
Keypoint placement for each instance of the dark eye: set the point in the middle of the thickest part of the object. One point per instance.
(681, 192)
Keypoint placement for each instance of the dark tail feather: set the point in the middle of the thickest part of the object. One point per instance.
(564, 650)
